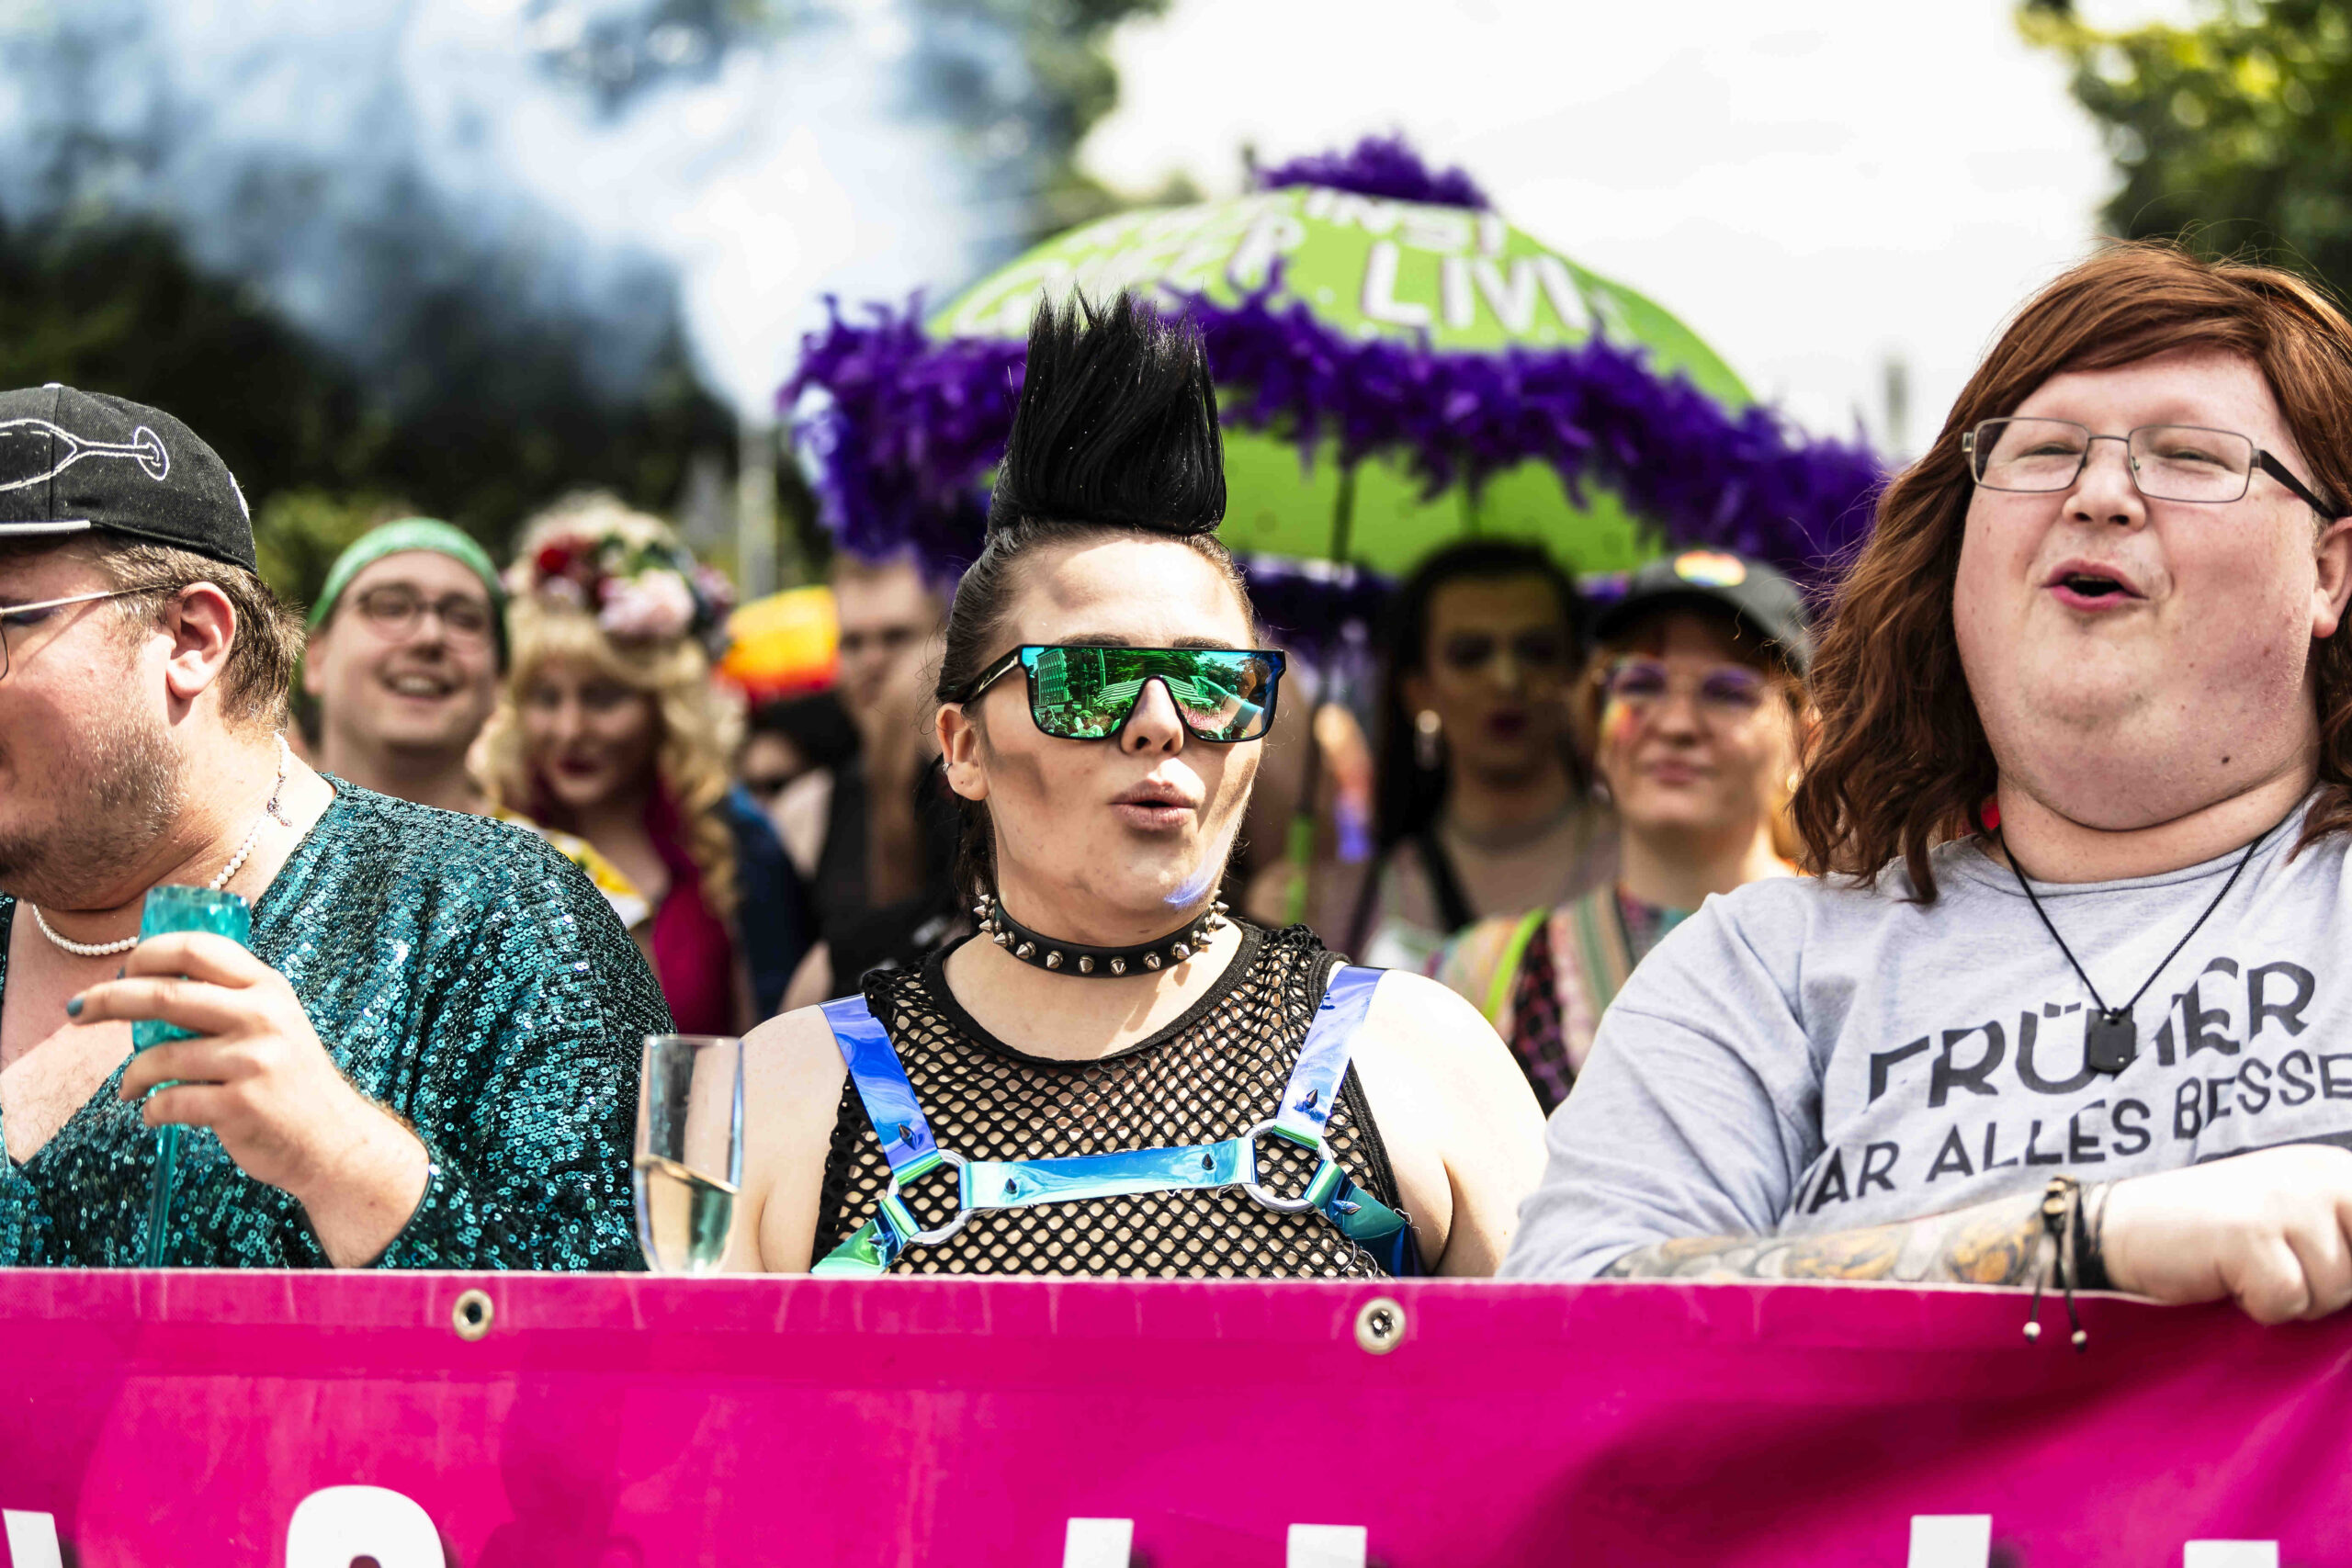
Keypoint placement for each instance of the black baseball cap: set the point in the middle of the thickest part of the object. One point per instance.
(74, 462)
(1765, 602)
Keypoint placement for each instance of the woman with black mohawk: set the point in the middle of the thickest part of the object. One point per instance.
(1116, 1077)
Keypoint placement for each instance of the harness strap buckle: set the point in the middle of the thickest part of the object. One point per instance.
(1319, 1188)
(902, 1219)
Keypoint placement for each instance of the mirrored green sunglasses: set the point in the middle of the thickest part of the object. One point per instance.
(1087, 693)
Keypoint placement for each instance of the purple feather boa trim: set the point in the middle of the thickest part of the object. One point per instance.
(902, 439)
(1382, 166)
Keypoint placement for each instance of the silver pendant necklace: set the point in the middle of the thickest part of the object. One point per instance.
(236, 863)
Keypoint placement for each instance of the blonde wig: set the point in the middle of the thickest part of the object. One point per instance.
(551, 617)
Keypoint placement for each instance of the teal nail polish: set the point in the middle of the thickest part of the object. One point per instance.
(74, 1007)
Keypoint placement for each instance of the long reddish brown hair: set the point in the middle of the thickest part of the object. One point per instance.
(1900, 763)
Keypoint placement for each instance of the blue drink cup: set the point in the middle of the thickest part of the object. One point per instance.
(172, 909)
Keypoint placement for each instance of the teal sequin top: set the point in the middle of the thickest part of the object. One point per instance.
(465, 975)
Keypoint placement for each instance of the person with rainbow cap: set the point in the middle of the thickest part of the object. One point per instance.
(1693, 703)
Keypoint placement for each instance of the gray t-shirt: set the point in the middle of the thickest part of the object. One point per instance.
(1803, 1057)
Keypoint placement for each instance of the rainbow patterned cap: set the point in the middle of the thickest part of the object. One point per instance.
(1711, 568)
(1757, 596)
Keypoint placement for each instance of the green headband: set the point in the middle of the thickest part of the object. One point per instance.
(399, 538)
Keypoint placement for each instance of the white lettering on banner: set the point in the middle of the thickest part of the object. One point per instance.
(332, 1526)
(1515, 302)
(1965, 1541)
(1326, 1546)
(1441, 230)
(2230, 1554)
(1110, 1543)
(1951, 1541)
(1560, 288)
(1274, 235)
(32, 1540)
(1098, 1543)
(1463, 281)
(1374, 216)
(1453, 293)
(1380, 302)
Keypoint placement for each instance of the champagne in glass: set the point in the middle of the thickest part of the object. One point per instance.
(689, 1150)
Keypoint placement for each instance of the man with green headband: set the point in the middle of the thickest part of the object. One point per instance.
(407, 643)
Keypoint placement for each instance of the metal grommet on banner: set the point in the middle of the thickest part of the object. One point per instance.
(471, 1317)
(1380, 1325)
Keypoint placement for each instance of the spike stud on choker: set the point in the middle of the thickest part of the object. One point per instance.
(1102, 962)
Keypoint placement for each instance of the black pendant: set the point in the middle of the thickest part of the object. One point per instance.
(2111, 1039)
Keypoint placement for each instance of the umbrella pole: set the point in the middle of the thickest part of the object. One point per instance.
(1300, 850)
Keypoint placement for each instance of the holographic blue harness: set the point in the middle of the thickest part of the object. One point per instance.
(889, 1101)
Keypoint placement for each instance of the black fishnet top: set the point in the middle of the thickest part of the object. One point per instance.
(1214, 1073)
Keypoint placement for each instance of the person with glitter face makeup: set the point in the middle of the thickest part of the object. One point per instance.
(1694, 695)
(1118, 1077)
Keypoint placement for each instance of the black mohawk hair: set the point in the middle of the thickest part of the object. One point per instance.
(1116, 423)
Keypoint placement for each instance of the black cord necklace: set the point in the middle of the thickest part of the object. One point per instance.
(2110, 1038)
(1043, 951)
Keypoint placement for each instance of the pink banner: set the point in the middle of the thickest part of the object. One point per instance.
(200, 1419)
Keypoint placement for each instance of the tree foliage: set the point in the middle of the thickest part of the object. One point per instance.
(2234, 133)
(494, 421)
(474, 405)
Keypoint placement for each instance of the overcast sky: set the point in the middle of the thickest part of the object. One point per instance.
(1814, 188)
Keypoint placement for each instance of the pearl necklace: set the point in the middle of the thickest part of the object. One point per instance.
(236, 864)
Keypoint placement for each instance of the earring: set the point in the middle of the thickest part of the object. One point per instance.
(1426, 729)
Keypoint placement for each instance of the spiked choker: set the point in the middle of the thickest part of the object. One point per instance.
(1103, 963)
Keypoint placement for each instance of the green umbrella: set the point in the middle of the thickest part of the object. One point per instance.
(1442, 279)
(1397, 365)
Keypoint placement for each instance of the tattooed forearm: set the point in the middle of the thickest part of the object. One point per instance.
(1991, 1244)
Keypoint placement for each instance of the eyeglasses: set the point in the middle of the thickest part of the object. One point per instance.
(1543, 651)
(397, 612)
(1729, 690)
(1087, 693)
(22, 620)
(2168, 462)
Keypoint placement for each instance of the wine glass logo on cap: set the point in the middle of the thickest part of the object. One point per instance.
(33, 451)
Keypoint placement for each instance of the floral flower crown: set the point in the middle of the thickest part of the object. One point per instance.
(641, 586)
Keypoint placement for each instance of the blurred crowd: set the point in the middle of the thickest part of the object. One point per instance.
(1558, 778)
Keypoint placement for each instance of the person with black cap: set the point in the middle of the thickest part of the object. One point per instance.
(426, 1057)
(1692, 701)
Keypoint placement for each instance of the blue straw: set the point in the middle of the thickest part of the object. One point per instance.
(159, 1198)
